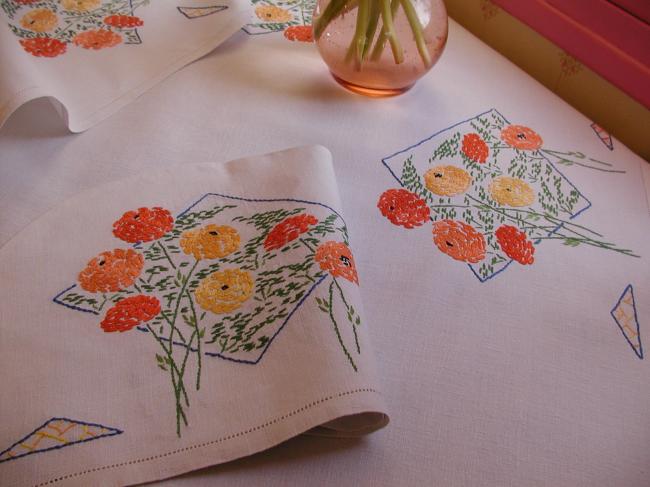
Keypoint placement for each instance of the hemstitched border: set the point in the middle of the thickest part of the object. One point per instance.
(208, 443)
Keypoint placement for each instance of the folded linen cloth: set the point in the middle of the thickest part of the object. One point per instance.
(94, 56)
(180, 319)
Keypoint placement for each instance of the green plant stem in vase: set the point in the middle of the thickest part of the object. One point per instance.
(380, 47)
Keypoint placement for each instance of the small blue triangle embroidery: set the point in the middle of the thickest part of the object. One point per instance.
(625, 316)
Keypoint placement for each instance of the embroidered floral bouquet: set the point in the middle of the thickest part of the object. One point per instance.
(220, 280)
(47, 27)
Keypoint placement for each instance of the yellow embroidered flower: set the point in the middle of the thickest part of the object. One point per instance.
(271, 13)
(224, 291)
(511, 191)
(39, 20)
(447, 180)
(80, 5)
(210, 241)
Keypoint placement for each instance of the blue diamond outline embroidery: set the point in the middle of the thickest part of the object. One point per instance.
(308, 292)
(386, 163)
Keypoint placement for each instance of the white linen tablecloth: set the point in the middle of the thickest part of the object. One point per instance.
(524, 379)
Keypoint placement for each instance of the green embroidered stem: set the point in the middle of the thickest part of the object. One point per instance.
(350, 311)
(177, 386)
(135, 285)
(103, 303)
(307, 245)
(562, 158)
(162, 247)
(179, 410)
(588, 241)
(336, 327)
(198, 346)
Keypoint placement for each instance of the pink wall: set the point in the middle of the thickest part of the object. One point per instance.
(611, 37)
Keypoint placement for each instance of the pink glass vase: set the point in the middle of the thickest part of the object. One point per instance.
(354, 39)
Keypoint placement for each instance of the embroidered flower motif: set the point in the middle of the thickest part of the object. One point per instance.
(272, 13)
(43, 46)
(515, 244)
(287, 230)
(475, 148)
(39, 20)
(80, 5)
(447, 180)
(459, 240)
(143, 225)
(521, 137)
(130, 312)
(300, 33)
(224, 291)
(97, 39)
(403, 208)
(111, 271)
(511, 191)
(210, 241)
(123, 21)
(336, 258)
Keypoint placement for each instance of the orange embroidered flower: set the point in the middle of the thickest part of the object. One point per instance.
(43, 46)
(225, 291)
(271, 13)
(403, 208)
(475, 148)
(515, 244)
(521, 137)
(447, 180)
(511, 191)
(300, 33)
(26, 2)
(39, 20)
(111, 271)
(80, 5)
(130, 312)
(97, 39)
(336, 258)
(210, 241)
(123, 21)
(288, 229)
(459, 240)
(143, 225)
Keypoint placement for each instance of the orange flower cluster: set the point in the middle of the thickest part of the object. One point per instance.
(515, 244)
(403, 208)
(300, 33)
(210, 241)
(130, 312)
(288, 230)
(459, 240)
(336, 258)
(43, 46)
(97, 39)
(475, 148)
(111, 271)
(521, 137)
(123, 21)
(143, 225)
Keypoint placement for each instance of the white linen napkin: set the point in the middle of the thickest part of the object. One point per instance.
(181, 319)
(94, 56)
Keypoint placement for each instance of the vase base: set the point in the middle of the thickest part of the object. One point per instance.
(371, 92)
